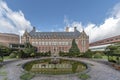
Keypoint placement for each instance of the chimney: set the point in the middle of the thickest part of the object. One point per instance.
(75, 28)
(67, 29)
(34, 29)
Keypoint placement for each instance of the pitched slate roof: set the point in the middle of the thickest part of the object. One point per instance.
(50, 35)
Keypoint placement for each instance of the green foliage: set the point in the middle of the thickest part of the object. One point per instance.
(63, 54)
(74, 66)
(4, 51)
(74, 50)
(98, 55)
(113, 49)
(84, 76)
(3, 71)
(13, 54)
(113, 53)
(28, 51)
(28, 66)
(27, 76)
(42, 54)
(1, 60)
(47, 54)
(88, 54)
(5, 78)
(19, 53)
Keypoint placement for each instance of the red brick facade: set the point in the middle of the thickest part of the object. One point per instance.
(56, 41)
(6, 39)
(106, 41)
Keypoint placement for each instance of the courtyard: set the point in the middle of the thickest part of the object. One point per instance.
(60, 40)
(98, 70)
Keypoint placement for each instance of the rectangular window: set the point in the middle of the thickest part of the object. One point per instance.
(49, 43)
(39, 43)
(42, 43)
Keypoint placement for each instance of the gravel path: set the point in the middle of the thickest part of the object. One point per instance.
(98, 71)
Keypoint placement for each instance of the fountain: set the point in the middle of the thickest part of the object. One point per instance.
(54, 60)
(54, 66)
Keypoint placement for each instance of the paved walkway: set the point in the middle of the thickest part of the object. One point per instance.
(98, 71)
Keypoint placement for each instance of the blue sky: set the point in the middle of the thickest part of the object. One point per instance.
(99, 18)
(50, 14)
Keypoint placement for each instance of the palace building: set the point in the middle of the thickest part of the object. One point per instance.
(56, 41)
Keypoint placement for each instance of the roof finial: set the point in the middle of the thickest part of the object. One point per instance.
(67, 29)
(34, 29)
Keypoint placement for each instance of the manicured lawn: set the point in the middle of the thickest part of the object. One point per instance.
(27, 76)
(8, 57)
(84, 76)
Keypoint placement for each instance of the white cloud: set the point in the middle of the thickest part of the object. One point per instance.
(15, 22)
(116, 11)
(12, 21)
(110, 27)
(72, 25)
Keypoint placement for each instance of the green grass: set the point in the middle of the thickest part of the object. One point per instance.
(27, 76)
(83, 76)
(3, 73)
(5, 78)
(8, 57)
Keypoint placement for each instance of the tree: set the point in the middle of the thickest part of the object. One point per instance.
(29, 50)
(63, 54)
(88, 54)
(1, 55)
(74, 50)
(4, 51)
(113, 52)
(49, 53)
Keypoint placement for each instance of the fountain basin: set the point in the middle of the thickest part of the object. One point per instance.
(64, 66)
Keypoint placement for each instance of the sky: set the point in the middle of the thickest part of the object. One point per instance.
(99, 18)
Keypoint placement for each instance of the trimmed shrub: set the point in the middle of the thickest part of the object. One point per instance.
(112, 59)
(13, 55)
(88, 54)
(98, 55)
(84, 76)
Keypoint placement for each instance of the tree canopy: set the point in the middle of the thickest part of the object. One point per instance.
(74, 50)
(113, 52)
(4, 51)
(29, 50)
(113, 49)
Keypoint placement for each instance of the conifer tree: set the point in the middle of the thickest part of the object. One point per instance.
(74, 50)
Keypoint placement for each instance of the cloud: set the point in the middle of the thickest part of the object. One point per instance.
(110, 27)
(12, 21)
(116, 11)
(73, 24)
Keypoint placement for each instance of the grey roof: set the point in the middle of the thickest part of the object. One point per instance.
(49, 35)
